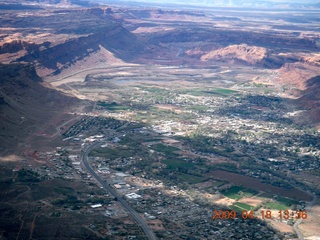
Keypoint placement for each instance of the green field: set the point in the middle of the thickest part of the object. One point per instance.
(265, 195)
(152, 140)
(287, 201)
(218, 184)
(276, 205)
(112, 106)
(200, 108)
(191, 179)
(153, 89)
(233, 192)
(243, 206)
(236, 208)
(222, 92)
(167, 150)
(281, 203)
(249, 192)
(177, 164)
(236, 192)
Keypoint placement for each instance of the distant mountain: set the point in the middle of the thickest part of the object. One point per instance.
(232, 3)
(244, 54)
(25, 4)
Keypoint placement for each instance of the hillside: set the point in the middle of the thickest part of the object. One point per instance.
(310, 100)
(25, 104)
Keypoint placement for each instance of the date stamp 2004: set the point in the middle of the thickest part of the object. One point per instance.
(282, 214)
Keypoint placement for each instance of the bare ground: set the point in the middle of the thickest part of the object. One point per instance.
(310, 227)
(225, 201)
(282, 227)
(251, 201)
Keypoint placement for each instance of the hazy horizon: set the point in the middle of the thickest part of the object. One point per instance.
(223, 2)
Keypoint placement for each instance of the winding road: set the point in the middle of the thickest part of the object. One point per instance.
(296, 225)
(141, 222)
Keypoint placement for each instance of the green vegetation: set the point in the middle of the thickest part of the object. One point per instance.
(154, 89)
(222, 92)
(218, 184)
(243, 206)
(214, 186)
(167, 150)
(152, 140)
(219, 146)
(276, 205)
(24, 175)
(64, 190)
(236, 192)
(287, 201)
(265, 195)
(238, 209)
(230, 167)
(249, 192)
(67, 200)
(191, 179)
(113, 106)
(259, 85)
(178, 164)
(233, 192)
(281, 203)
(200, 108)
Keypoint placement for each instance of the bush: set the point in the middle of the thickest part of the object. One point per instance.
(25, 175)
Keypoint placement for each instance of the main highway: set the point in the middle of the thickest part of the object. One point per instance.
(141, 222)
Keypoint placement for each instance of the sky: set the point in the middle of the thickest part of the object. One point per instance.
(212, 1)
(294, 1)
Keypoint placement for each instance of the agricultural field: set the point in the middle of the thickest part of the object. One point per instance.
(281, 203)
(242, 206)
(165, 149)
(113, 153)
(219, 92)
(112, 106)
(260, 200)
(237, 192)
(275, 205)
(178, 164)
(191, 179)
(257, 185)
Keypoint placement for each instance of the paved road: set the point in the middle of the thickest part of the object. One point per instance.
(141, 222)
